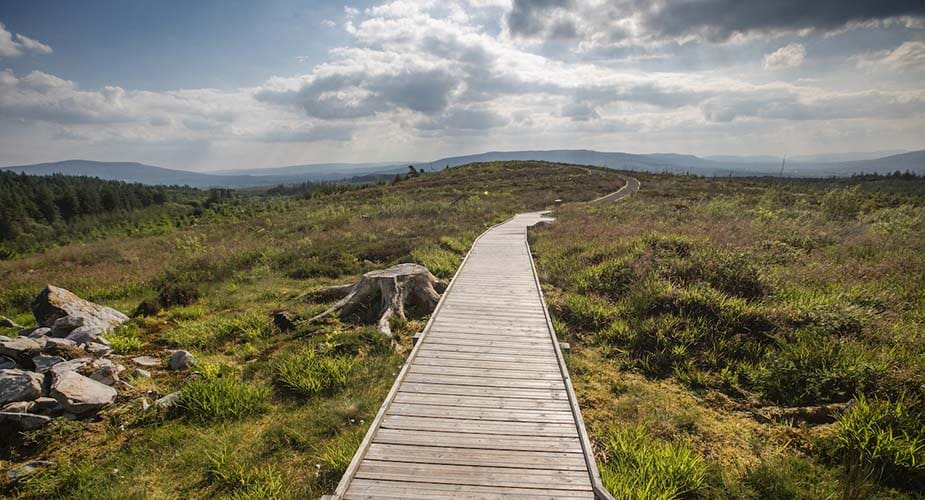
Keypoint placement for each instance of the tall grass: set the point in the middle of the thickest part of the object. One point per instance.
(884, 439)
(639, 466)
(308, 373)
(221, 397)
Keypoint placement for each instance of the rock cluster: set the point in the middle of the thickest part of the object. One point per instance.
(62, 367)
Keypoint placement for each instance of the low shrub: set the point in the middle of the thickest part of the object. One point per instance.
(816, 370)
(791, 477)
(642, 467)
(220, 397)
(244, 480)
(177, 294)
(885, 440)
(307, 373)
(441, 262)
(124, 339)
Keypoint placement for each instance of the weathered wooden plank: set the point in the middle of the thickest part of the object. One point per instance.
(480, 426)
(484, 381)
(481, 413)
(468, 363)
(464, 456)
(482, 372)
(475, 475)
(366, 488)
(519, 351)
(482, 402)
(497, 392)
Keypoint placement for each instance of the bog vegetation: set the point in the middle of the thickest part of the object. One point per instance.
(736, 338)
(274, 413)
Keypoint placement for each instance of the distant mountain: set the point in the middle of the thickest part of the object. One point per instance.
(913, 161)
(135, 172)
(357, 172)
(318, 171)
(662, 162)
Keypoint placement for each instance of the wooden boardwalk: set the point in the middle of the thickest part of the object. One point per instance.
(484, 407)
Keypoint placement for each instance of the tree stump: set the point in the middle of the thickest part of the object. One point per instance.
(399, 285)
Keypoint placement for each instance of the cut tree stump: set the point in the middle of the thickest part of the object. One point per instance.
(397, 286)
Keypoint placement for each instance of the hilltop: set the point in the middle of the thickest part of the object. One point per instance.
(715, 166)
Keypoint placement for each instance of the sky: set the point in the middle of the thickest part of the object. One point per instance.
(228, 84)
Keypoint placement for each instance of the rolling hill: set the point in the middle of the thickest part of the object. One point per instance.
(661, 162)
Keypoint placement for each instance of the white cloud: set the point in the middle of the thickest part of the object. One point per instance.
(15, 44)
(908, 56)
(789, 56)
(329, 23)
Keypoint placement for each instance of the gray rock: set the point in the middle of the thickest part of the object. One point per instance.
(52, 342)
(53, 303)
(66, 324)
(44, 362)
(69, 366)
(25, 421)
(148, 361)
(105, 371)
(169, 401)
(99, 349)
(19, 385)
(8, 323)
(7, 363)
(18, 407)
(23, 471)
(84, 335)
(79, 394)
(181, 360)
(44, 405)
(4, 337)
(139, 373)
(39, 332)
(21, 349)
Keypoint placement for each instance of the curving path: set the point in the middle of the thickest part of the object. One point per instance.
(483, 407)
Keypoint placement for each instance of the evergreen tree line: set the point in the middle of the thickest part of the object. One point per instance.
(54, 199)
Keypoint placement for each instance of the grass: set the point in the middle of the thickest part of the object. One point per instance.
(221, 397)
(213, 282)
(737, 296)
(308, 373)
(638, 466)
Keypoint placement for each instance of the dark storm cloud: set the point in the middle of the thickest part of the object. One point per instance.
(526, 16)
(712, 20)
(356, 95)
(717, 20)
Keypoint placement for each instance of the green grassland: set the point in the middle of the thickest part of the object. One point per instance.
(747, 339)
(273, 414)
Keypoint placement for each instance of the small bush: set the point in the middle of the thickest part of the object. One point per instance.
(611, 278)
(843, 204)
(792, 477)
(639, 466)
(442, 263)
(245, 480)
(308, 373)
(124, 339)
(731, 273)
(588, 313)
(147, 307)
(177, 294)
(816, 370)
(221, 397)
(886, 440)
